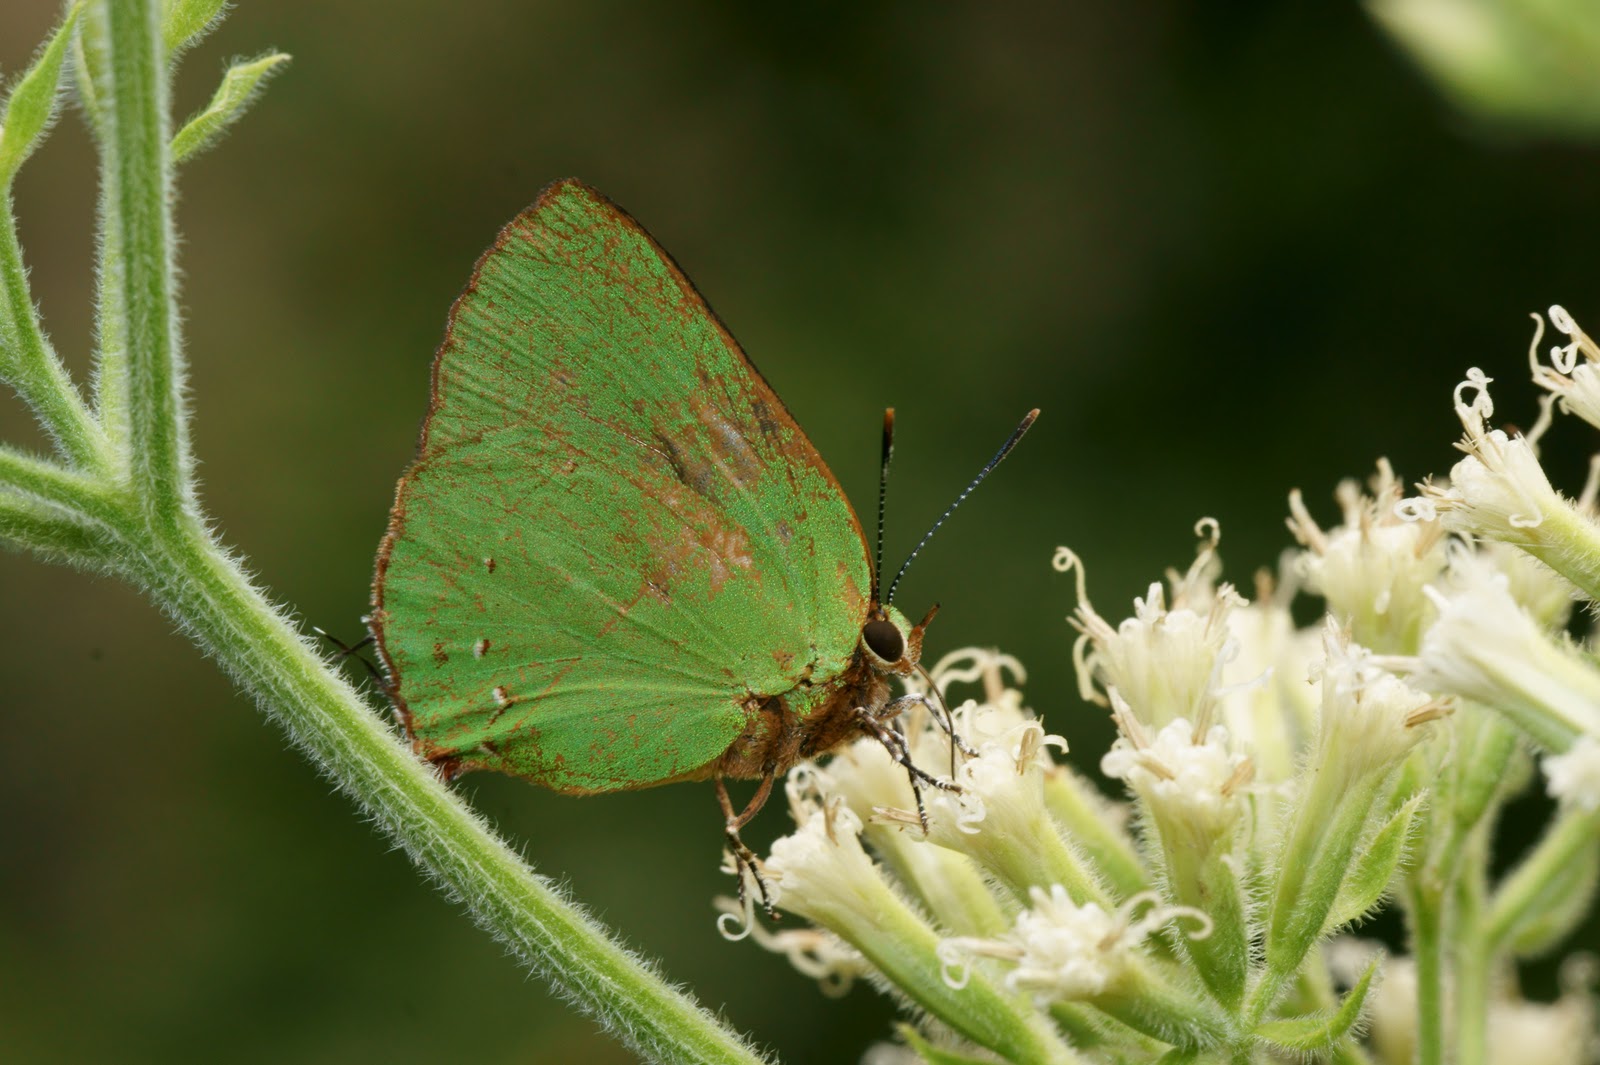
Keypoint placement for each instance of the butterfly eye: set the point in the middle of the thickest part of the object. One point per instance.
(883, 639)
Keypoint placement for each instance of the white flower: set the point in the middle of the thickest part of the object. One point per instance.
(1575, 384)
(821, 867)
(1002, 788)
(870, 780)
(1060, 951)
(1193, 786)
(1499, 490)
(1573, 778)
(1271, 711)
(1543, 592)
(980, 665)
(1370, 718)
(1373, 567)
(1167, 663)
(1527, 1033)
(1485, 647)
(862, 774)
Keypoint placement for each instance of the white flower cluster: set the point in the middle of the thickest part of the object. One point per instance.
(1282, 782)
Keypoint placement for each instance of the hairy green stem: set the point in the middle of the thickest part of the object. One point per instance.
(902, 946)
(1425, 911)
(141, 195)
(52, 534)
(205, 592)
(1524, 890)
(31, 367)
(61, 488)
(1472, 959)
(92, 78)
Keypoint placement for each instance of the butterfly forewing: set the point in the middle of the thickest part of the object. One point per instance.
(614, 540)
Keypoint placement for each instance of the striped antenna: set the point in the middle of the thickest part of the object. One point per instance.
(1005, 449)
(883, 494)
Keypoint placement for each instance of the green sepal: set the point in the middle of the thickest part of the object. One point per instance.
(1318, 1032)
(184, 22)
(1418, 771)
(1311, 871)
(948, 885)
(1094, 823)
(1154, 1000)
(31, 106)
(239, 88)
(1373, 871)
(1211, 884)
(931, 1054)
(1564, 902)
(1482, 768)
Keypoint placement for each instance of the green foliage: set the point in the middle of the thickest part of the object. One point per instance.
(185, 22)
(31, 105)
(1374, 866)
(240, 86)
(1318, 1033)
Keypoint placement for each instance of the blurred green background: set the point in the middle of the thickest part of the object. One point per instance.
(1229, 249)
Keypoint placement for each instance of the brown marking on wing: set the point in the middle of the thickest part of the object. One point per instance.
(727, 447)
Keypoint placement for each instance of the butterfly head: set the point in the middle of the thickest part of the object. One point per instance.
(890, 642)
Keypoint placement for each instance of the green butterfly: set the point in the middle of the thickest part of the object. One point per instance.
(617, 561)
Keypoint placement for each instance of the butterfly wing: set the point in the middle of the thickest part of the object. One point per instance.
(615, 541)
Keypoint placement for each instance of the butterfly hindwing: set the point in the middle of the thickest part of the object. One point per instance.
(615, 539)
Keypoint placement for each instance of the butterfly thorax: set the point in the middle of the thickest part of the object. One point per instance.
(813, 718)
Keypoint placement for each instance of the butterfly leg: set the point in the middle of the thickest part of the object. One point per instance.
(894, 741)
(348, 650)
(935, 707)
(948, 723)
(743, 857)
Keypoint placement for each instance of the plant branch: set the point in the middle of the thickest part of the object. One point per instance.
(91, 70)
(140, 195)
(60, 487)
(26, 524)
(30, 366)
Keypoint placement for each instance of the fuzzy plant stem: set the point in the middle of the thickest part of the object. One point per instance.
(1428, 946)
(1524, 890)
(1473, 959)
(205, 593)
(120, 498)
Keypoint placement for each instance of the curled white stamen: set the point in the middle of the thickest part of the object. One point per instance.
(1482, 405)
(1416, 508)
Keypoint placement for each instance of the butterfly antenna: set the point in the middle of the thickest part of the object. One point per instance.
(1005, 449)
(883, 493)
